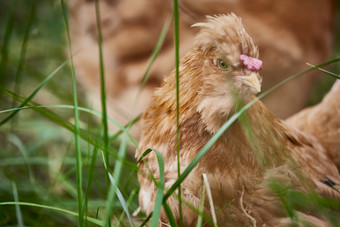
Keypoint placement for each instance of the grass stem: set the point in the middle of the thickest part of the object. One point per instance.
(176, 30)
(102, 89)
(79, 165)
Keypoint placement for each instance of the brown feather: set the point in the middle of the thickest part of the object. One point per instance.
(244, 161)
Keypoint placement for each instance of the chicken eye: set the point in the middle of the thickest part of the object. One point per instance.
(221, 64)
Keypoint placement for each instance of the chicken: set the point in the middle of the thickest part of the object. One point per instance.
(219, 74)
(131, 29)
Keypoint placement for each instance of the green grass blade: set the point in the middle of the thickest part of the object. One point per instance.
(145, 153)
(159, 192)
(160, 188)
(89, 168)
(90, 176)
(23, 49)
(141, 159)
(129, 201)
(176, 30)
(79, 165)
(314, 202)
(115, 180)
(124, 205)
(29, 98)
(17, 206)
(35, 75)
(92, 220)
(146, 220)
(281, 192)
(109, 199)
(210, 199)
(209, 220)
(155, 52)
(5, 44)
(200, 214)
(325, 71)
(115, 190)
(102, 88)
(169, 214)
(19, 144)
(124, 129)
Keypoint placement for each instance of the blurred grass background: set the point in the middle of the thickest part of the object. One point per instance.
(37, 151)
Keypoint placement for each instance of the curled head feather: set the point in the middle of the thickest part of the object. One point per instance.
(219, 30)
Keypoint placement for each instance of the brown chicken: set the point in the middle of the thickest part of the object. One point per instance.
(222, 67)
(131, 29)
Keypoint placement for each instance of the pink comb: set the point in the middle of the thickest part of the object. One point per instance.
(252, 64)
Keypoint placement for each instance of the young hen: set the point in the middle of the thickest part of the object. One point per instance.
(221, 68)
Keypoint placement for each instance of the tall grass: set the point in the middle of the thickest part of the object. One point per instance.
(57, 152)
(176, 33)
(79, 158)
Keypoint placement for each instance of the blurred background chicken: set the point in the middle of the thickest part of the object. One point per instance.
(322, 121)
(289, 34)
(252, 154)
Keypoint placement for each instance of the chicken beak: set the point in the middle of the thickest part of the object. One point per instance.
(253, 81)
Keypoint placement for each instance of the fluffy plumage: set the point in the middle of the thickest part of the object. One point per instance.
(245, 160)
